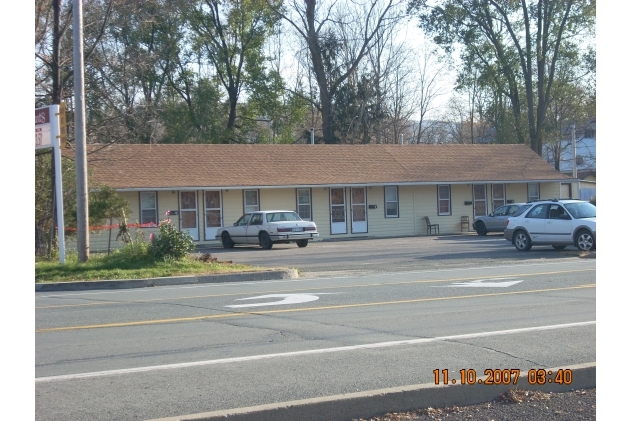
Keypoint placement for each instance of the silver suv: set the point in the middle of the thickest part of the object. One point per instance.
(558, 223)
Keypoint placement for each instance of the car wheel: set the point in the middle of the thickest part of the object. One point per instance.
(480, 228)
(302, 243)
(265, 241)
(585, 241)
(558, 247)
(522, 241)
(226, 241)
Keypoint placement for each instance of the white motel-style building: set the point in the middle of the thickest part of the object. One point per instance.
(349, 191)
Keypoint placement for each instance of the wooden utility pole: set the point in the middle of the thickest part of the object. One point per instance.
(83, 234)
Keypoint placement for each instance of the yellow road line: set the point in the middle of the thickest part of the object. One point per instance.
(294, 310)
(190, 297)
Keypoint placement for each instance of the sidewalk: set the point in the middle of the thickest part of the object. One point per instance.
(365, 405)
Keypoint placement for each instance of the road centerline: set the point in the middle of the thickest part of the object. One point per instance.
(373, 284)
(295, 310)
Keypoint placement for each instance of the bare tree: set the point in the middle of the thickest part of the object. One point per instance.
(430, 85)
(319, 25)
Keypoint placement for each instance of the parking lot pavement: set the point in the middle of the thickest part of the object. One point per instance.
(374, 255)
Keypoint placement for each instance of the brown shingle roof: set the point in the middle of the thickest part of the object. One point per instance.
(203, 165)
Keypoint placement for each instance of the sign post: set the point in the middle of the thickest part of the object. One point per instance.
(47, 135)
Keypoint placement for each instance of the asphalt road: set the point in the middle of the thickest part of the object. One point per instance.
(389, 321)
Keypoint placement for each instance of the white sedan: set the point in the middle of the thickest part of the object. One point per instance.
(268, 227)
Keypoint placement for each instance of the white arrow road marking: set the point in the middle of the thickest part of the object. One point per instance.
(480, 283)
(286, 299)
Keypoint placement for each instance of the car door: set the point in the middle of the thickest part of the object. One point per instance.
(238, 229)
(497, 220)
(559, 225)
(253, 228)
(535, 222)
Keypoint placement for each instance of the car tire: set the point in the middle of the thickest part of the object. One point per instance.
(585, 241)
(302, 243)
(226, 241)
(522, 241)
(480, 228)
(558, 247)
(265, 241)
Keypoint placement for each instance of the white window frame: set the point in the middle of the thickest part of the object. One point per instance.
(251, 208)
(447, 199)
(303, 206)
(395, 201)
(155, 208)
(531, 196)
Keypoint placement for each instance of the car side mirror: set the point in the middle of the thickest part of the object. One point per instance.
(235, 224)
(565, 217)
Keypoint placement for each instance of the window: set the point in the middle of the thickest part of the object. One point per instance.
(251, 200)
(391, 197)
(499, 195)
(303, 197)
(257, 219)
(539, 212)
(501, 211)
(282, 216)
(148, 208)
(444, 200)
(533, 191)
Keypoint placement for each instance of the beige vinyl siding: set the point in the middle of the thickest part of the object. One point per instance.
(378, 224)
(550, 190)
(425, 204)
(321, 211)
(459, 195)
(282, 199)
(517, 192)
(232, 205)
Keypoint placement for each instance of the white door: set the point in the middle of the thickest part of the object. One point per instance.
(188, 213)
(212, 213)
(338, 210)
(359, 222)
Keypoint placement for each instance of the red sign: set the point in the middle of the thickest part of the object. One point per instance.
(42, 116)
(42, 128)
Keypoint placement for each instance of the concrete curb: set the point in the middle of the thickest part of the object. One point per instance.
(397, 399)
(264, 275)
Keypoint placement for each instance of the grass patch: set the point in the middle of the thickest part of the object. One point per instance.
(132, 262)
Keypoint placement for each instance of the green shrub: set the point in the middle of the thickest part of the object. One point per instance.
(171, 244)
(135, 251)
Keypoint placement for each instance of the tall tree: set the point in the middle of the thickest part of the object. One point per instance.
(322, 27)
(53, 45)
(231, 36)
(517, 41)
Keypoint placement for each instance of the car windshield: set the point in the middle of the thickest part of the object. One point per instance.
(581, 210)
(244, 219)
(282, 216)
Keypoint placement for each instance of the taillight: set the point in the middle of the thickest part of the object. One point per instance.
(284, 229)
(313, 228)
